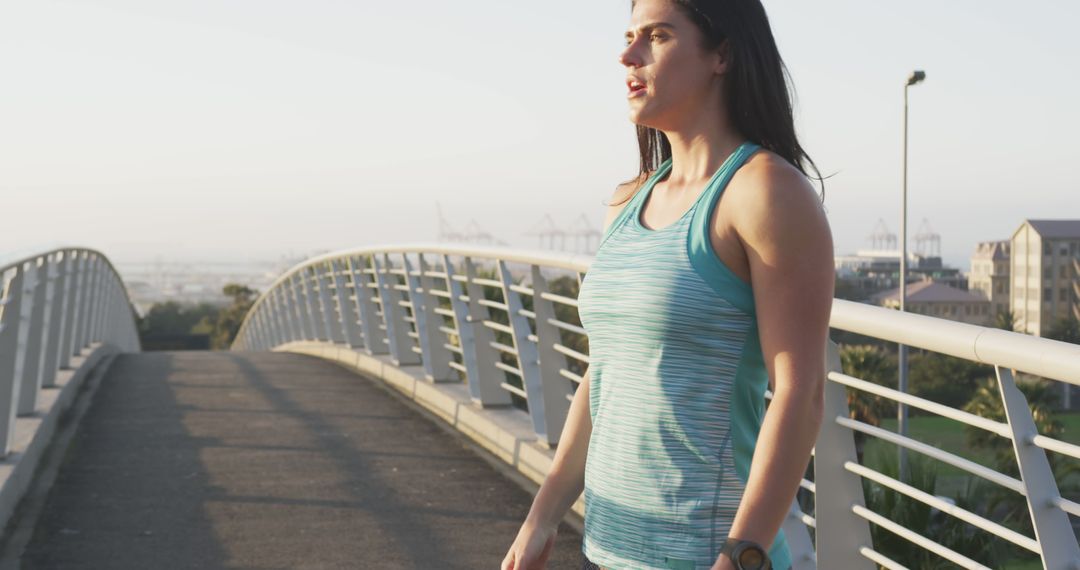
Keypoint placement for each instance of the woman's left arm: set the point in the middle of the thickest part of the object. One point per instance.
(788, 245)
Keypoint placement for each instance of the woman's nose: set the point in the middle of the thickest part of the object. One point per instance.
(629, 57)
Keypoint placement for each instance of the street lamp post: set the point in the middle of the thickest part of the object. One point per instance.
(901, 411)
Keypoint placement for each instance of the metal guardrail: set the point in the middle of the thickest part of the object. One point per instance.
(489, 317)
(54, 304)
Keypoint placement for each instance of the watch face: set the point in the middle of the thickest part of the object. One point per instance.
(751, 559)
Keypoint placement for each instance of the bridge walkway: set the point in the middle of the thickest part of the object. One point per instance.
(269, 461)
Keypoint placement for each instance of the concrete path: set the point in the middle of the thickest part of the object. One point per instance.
(202, 460)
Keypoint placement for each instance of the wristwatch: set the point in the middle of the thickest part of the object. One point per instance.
(746, 554)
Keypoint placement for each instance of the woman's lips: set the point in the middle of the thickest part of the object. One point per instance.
(637, 89)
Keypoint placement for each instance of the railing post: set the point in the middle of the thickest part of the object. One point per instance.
(374, 337)
(466, 342)
(98, 304)
(124, 320)
(56, 297)
(108, 279)
(112, 313)
(1052, 528)
(30, 379)
(71, 300)
(556, 387)
(350, 325)
(277, 317)
(286, 303)
(13, 325)
(273, 323)
(318, 327)
(268, 327)
(277, 329)
(301, 305)
(840, 532)
(436, 356)
(330, 319)
(485, 387)
(527, 358)
(288, 318)
(78, 285)
(397, 328)
(86, 285)
(251, 333)
(258, 332)
(91, 306)
(87, 306)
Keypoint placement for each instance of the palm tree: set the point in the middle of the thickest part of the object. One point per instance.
(946, 530)
(1005, 320)
(987, 403)
(1041, 397)
(874, 365)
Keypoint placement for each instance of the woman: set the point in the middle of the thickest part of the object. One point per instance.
(714, 280)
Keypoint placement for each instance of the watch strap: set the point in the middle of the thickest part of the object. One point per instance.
(733, 547)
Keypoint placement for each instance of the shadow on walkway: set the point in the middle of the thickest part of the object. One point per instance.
(263, 460)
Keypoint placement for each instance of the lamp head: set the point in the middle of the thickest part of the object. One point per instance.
(916, 77)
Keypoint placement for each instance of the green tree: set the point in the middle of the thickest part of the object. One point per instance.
(1066, 329)
(986, 402)
(1005, 320)
(946, 530)
(1042, 398)
(874, 365)
(228, 320)
(945, 379)
(172, 318)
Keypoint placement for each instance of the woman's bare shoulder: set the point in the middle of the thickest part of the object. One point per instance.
(767, 181)
(775, 198)
(620, 198)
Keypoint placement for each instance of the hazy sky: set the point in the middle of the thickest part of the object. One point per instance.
(237, 129)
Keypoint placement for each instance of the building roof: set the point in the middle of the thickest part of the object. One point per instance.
(1056, 228)
(930, 292)
(993, 250)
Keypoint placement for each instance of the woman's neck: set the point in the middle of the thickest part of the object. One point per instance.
(700, 147)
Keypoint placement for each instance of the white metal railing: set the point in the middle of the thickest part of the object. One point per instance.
(54, 304)
(1008, 352)
(505, 322)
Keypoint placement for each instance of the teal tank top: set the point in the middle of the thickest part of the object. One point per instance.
(677, 385)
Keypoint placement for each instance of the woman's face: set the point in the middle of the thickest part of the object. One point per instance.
(670, 73)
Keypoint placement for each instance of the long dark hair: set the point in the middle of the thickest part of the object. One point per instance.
(756, 87)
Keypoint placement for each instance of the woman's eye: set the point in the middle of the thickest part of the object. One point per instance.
(656, 37)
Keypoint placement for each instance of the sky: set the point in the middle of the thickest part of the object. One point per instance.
(223, 130)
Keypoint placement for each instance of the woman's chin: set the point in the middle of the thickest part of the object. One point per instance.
(638, 116)
(643, 119)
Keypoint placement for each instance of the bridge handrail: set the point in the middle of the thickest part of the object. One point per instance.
(55, 303)
(1034, 355)
(451, 331)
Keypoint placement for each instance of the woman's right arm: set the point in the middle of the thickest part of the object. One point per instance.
(562, 486)
(566, 480)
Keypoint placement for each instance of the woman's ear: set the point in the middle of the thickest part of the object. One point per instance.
(723, 58)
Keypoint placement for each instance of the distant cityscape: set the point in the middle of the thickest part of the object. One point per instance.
(192, 283)
(1031, 276)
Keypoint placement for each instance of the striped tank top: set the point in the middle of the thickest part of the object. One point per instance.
(677, 383)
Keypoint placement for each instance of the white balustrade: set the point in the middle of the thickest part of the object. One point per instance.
(488, 317)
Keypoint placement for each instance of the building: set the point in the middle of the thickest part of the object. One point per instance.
(939, 300)
(990, 274)
(1045, 264)
(869, 272)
